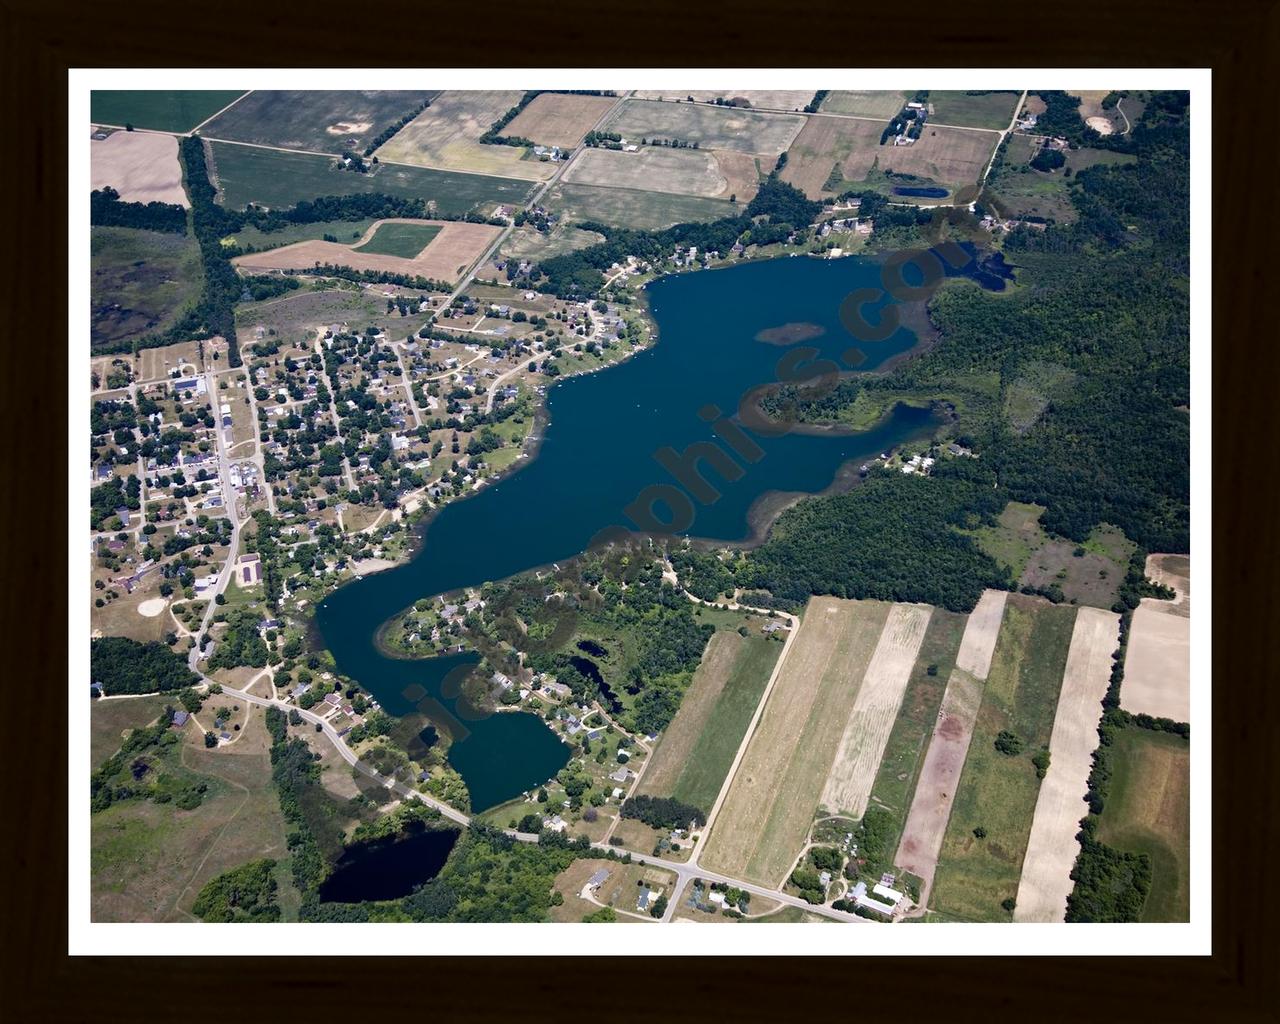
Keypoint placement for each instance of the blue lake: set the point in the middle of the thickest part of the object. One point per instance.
(597, 455)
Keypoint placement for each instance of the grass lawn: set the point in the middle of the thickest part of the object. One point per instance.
(998, 792)
(904, 753)
(278, 179)
(140, 282)
(1148, 811)
(405, 240)
(164, 110)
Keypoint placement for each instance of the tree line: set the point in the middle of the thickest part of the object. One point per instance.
(106, 209)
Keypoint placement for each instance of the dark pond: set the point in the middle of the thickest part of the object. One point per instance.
(592, 648)
(592, 671)
(920, 191)
(388, 871)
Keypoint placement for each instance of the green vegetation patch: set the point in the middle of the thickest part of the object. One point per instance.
(276, 179)
(973, 109)
(320, 120)
(997, 791)
(164, 110)
(141, 282)
(406, 240)
(1148, 813)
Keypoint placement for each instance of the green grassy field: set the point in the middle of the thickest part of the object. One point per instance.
(866, 103)
(296, 314)
(1015, 189)
(998, 792)
(166, 110)
(140, 282)
(988, 110)
(1148, 811)
(904, 753)
(405, 240)
(303, 119)
(704, 772)
(631, 208)
(110, 720)
(348, 231)
(277, 179)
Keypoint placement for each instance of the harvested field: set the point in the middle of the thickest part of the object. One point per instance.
(1052, 846)
(276, 179)
(1149, 811)
(632, 208)
(777, 99)
(866, 733)
(446, 258)
(774, 794)
(732, 128)
(1157, 667)
(446, 136)
(695, 752)
(314, 120)
(141, 166)
(980, 634)
(866, 103)
(939, 777)
(992, 110)
(162, 110)
(980, 862)
(559, 119)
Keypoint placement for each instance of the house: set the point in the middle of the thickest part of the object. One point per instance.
(180, 718)
(621, 774)
(225, 737)
(824, 880)
(333, 698)
(717, 898)
(596, 880)
(642, 904)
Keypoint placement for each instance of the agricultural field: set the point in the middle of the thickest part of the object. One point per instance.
(446, 137)
(903, 755)
(935, 788)
(710, 127)
(694, 172)
(276, 179)
(992, 110)
(559, 119)
(313, 120)
(695, 752)
(866, 103)
(1148, 810)
(141, 166)
(776, 99)
(866, 734)
(251, 239)
(149, 860)
(997, 791)
(775, 792)
(166, 110)
(1088, 573)
(451, 250)
(630, 208)
(1052, 847)
(398, 238)
(140, 282)
(1157, 666)
(833, 154)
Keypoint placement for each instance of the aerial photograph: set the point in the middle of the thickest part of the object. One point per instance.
(636, 506)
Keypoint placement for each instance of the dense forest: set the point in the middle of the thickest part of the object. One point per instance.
(122, 665)
(1102, 302)
(107, 210)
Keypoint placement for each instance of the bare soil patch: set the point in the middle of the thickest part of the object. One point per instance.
(1173, 571)
(141, 166)
(980, 634)
(866, 733)
(1052, 846)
